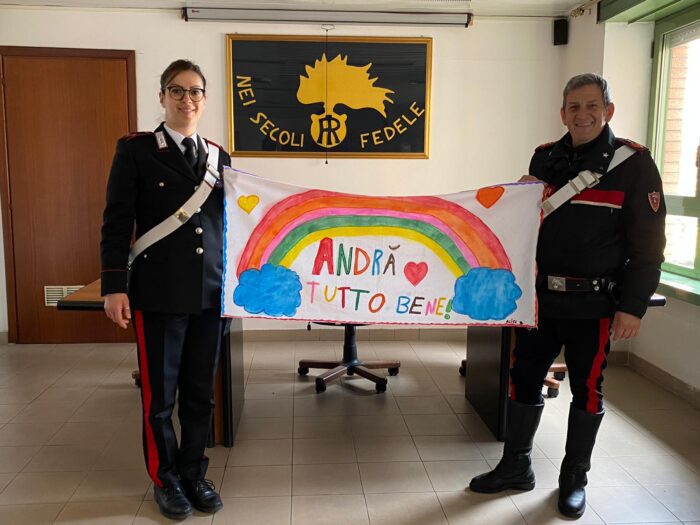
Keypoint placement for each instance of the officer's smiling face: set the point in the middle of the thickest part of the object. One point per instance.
(183, 115)
(585, 114)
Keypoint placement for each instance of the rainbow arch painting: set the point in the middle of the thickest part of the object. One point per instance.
(460, 259)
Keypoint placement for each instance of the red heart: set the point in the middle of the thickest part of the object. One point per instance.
(415, 272)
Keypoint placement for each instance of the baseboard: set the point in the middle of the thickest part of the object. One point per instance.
(3, 338)
(652, 372)
(619, 358)
(369, 334)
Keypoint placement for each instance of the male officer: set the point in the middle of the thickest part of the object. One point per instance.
(598, 255)
(174, 293)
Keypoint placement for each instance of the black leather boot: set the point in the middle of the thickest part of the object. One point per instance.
(172, 502)
(580, 438)
(202, 494)
(514, 471)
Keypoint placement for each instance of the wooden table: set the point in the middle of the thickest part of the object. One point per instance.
(228, 391)
(487, 372)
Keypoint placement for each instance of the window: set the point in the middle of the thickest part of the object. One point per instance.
(676, 138)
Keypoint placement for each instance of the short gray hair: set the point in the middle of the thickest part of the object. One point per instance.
(588, 79)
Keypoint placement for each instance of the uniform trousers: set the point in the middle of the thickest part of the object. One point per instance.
(178, 355)
(586, 343)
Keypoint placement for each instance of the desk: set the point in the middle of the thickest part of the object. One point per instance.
(228, 392)
(487, 371)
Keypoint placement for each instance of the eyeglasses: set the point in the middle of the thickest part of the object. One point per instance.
(178, 93)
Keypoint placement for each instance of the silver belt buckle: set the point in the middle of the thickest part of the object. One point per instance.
(556, 284)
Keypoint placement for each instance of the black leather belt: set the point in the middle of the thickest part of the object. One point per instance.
(562, 283)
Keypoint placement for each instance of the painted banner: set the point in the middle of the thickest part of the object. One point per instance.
(466, 258)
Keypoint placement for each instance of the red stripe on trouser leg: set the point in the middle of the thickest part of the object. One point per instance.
(152, 461)
(592, 406)
(511, 393)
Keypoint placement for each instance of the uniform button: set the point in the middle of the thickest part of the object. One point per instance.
(145, 256)
(199, 251)
(196, 187)
(161, 184)
(198, 210)
(198, 231)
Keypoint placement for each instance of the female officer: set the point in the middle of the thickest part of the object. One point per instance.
(174, 289)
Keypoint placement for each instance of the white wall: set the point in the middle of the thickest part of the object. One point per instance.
(627, 67)
(669, 340)
(585, 51)
(495, 89)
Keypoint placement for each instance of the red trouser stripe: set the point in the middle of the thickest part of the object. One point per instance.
(511, 386)
(151, 448)
(592, 382)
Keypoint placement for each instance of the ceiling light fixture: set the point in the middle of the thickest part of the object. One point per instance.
(419, 18)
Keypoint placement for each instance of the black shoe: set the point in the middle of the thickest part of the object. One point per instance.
(572, 494)
(202, 495)
(514, 471)
(580, 439)
(506, 475)
(172, 502)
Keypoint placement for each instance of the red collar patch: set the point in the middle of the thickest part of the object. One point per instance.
(654, 200)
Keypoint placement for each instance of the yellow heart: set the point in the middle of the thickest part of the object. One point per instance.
(248, 202)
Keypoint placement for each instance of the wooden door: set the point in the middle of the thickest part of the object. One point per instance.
(63, 111)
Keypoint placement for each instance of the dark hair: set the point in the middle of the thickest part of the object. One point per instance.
(178, 67)
(588, 79)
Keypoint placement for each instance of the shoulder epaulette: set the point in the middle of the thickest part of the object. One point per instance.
(213, 143)
(632, 144)
(137, 134)
(545, 146)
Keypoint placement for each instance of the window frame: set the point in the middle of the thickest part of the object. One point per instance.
(675, 205)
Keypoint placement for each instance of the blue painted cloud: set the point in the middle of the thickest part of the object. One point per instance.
(272, 290)
(485, 293)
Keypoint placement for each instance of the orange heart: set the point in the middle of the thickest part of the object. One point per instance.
(248, 202)
(489, 196)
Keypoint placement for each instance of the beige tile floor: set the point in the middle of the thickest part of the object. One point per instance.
(70, 448)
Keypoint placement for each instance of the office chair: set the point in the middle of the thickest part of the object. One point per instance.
(349, 365)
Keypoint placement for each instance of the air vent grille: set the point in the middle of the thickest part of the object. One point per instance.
(52, 294)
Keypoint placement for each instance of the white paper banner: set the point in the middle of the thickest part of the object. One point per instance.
(466, 258)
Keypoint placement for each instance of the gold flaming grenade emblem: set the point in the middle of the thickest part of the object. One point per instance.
(333, 83)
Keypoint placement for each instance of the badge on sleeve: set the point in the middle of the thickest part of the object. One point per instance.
(654, 200)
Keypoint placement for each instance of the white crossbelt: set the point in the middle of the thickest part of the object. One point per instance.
(182, 215)
(585, 179)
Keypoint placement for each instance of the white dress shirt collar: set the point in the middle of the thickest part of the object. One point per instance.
(179, 137)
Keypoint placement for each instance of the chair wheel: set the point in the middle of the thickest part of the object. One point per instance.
(320, 387)
(394, 371)
(302, 370)
(381, 387)
(350, 371)
(462, 371)
(559, 376)
(552, 392)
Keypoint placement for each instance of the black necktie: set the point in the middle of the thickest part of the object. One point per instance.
(190, 152)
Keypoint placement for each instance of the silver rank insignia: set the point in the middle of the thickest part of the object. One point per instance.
(160, 139)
